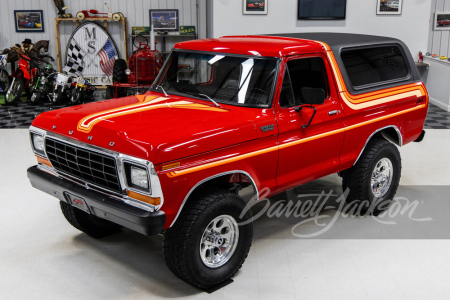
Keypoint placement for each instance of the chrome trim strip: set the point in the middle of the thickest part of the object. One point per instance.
(209, 178)
(400, 139)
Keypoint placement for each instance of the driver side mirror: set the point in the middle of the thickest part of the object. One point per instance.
(313, 95)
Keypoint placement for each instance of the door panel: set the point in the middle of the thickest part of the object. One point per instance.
(312, 152)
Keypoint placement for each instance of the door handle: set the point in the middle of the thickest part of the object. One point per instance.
(334, 112)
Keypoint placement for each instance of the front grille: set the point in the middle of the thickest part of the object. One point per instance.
(89, 166)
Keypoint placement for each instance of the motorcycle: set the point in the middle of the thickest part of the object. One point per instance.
(61, 90)
(82, 88)
(44, 84)
(4, 76)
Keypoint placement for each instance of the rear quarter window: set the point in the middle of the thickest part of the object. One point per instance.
(366, 67)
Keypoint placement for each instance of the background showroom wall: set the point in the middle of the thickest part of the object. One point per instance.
(136, 11)
(411, 26)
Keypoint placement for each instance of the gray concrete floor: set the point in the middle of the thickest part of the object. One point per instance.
(43, 257)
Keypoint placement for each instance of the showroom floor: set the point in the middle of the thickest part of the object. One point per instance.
(43, 257)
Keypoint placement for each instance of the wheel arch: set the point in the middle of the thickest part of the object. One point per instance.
(390, 133)
(210, 181)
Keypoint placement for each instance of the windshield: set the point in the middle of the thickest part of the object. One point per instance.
(237, 80)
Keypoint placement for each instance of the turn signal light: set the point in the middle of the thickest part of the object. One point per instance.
(170, 166)
(44, 161)
(144, 198)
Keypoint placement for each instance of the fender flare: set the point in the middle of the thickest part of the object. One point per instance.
(399, 134)
(207, 179)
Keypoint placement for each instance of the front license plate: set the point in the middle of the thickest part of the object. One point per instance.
(77, 202)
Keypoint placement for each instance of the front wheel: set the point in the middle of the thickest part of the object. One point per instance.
(57, 95)
(207, 246)
(4, 81)
(15, 91)
(374, 179)
(36, 97)
(75, 97)
(87, 223)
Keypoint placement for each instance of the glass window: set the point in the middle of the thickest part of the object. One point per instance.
(300, 73)
(224, 78)
(374, 65)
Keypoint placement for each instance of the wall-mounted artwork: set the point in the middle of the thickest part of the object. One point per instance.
(389, 7)
(29, 20)
(164, 19)
(442, 21)
(251, 7)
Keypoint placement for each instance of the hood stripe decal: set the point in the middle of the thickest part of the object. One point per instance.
(145, 103)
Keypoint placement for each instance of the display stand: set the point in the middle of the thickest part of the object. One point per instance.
(105, 25)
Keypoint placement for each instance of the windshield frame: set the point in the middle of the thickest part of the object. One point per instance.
(273, 89)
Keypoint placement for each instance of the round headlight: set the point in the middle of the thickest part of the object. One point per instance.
(38, 142)
(139, 177)
(127, 71)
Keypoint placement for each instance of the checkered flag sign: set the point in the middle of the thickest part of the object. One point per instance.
(75, 57)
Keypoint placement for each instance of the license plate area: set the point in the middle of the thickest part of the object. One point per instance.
(77, 201)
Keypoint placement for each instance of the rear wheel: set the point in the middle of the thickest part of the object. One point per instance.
(15, 91)
(119, 71)
(374, 179)
(206, 246)
(80, 15)
(87, 223)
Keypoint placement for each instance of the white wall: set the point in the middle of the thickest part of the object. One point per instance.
(439, 40)
(136, 11)
(411, 26)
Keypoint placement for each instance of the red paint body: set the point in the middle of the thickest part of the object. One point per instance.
(198, 137)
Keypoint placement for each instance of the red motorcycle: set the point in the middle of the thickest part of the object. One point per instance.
(22, 78)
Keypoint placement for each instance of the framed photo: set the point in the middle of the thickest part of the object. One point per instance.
(164, 19)
(389, 7)
(442, 21)
(29, 20)
(255, 7)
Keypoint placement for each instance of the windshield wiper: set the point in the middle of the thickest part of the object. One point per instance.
(209, 98)
(164, 91)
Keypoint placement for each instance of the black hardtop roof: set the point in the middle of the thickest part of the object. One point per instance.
(336, 41)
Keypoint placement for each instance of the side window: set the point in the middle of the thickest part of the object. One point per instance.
(374, 65)
(301, 73)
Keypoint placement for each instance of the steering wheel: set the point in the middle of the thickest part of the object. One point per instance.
(139, 35)
(261, 91)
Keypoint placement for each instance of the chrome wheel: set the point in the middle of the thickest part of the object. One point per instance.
(219, 241)
(381, 177)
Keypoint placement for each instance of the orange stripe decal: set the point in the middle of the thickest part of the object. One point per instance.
(293, 143)
(145, 103)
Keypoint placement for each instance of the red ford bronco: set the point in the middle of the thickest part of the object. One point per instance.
(263, 111)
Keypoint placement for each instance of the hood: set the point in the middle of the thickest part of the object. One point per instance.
(153, 127)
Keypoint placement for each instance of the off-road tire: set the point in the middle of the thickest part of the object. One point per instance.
(358, 178)
(5, 84)
(57, 96)
(87, 223)
(75, 97)
(181, 243)
(119, 71)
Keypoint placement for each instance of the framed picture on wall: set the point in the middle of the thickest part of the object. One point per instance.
(29, 20)
(442, 21)
(164, 19)
(255, 7)
(389, 7)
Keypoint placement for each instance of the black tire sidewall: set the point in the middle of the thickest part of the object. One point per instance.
(221, 273)
(37, 99)
(392, 155)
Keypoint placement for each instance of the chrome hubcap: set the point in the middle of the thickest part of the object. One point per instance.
(219, 241)
(382, 177)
